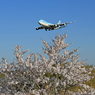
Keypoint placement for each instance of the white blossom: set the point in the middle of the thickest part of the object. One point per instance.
(61, 70)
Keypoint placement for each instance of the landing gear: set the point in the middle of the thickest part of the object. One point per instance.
(46, 29)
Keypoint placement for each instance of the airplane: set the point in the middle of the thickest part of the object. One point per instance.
(49, 26)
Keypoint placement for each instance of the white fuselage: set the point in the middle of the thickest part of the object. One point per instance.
(45, 25)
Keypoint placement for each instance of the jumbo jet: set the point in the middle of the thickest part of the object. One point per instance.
(49, 26)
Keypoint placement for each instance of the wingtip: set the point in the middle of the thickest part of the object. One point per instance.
(72, 21)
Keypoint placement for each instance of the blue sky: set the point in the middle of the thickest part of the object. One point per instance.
(18, 19)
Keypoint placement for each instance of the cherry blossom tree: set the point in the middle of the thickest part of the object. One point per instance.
(36, 74)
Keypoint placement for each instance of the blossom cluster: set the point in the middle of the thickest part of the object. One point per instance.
(39, 75)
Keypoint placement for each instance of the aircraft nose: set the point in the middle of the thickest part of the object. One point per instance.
(39, 23)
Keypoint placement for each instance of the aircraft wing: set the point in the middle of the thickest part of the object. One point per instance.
(39, 28)
(66, 23)
(61, 24)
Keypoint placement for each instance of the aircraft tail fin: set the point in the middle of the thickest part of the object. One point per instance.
(59, 22)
